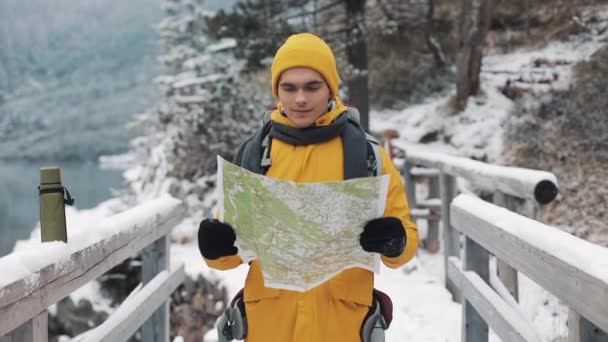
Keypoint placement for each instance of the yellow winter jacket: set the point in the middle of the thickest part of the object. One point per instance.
(334, 310)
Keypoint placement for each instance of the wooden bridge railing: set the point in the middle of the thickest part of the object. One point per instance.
(25, 296)
(512, 187)
(516, 189)
(574, 270)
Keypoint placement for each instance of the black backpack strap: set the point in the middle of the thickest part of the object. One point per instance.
(238, 158)
(374, 157)
(265, 162)
(249, 154)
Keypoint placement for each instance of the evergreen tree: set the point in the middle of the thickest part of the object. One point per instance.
(203, 110)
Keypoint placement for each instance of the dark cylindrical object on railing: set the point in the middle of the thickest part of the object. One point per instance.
(545, 191)
(52, 209)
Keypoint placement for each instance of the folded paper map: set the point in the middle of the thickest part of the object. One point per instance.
(302, 233)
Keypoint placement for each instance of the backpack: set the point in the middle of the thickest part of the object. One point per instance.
(232, 325)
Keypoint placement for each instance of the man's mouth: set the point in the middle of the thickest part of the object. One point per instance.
(301, 111)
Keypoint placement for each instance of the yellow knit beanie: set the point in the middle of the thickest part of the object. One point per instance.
(306, 50)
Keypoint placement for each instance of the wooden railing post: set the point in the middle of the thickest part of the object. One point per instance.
(410, 183)
(451, 237)
(476, 258)
(34, 330)
(432, 237)
(581, 330)
(156, 259)
(506, 273)
(53, 228)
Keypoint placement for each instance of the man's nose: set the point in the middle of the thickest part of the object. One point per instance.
(300, 97)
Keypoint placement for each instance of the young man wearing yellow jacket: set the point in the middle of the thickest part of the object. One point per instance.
(308, 128)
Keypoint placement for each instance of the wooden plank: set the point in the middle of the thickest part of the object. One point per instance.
(424, 172)
(506, 273)
(34, 330)
(433, 204)
(132, 313)
(574, 326)
(581, 330)
(519, 182)
(25, 298)
(508, 276)
(502, 290)
(156, 259)
(476, 260)
(579, 269)
(432, 238)
(410, 183)
(507, 323)
(420, 213)
(451, 237)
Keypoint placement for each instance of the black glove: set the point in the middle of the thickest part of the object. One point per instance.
(384, 235)
(216, 239)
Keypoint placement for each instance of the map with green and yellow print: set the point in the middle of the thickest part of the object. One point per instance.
(302, 233)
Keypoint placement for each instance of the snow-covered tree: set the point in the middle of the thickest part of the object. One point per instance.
(203, 110)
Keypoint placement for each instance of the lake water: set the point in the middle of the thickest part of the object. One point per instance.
(19, 208)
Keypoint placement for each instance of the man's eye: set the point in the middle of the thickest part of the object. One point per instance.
(312, 88)
(289, 89)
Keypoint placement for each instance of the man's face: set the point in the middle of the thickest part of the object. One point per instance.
(304, 95)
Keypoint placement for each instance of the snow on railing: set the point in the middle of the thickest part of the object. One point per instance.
(518, 189)
(540, 186)
(33, 280)
(572, 269)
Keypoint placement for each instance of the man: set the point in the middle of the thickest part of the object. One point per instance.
(312, 141)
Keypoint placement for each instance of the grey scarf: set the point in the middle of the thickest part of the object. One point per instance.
(249, 154)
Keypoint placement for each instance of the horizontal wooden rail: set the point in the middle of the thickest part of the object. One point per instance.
(504, 320)
(424, 172)
(540, 186)
(124, 235)
(138, 307)
(431, 204)
(574, 270)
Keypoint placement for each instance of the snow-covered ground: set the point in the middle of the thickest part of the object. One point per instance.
(477, 131)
